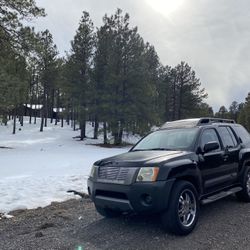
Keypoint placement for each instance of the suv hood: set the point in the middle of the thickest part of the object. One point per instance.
(142, 157)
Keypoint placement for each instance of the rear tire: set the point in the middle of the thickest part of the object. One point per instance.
(244, 194)
(106, 212)
(183, 209)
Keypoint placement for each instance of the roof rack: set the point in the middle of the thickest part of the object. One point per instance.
(195, 122)
(208, 120)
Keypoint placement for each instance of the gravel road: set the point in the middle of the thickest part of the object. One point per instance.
(74, 224)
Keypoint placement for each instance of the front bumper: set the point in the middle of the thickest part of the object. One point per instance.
(140, 197)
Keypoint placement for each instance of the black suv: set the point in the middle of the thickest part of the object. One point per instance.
(174, 169)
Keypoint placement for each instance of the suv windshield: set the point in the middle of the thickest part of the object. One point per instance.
(168, 139)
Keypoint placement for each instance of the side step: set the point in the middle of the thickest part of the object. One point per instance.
(220, 195)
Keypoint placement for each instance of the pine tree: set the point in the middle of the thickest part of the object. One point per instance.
(13, 84)
(234, 111)
(190, 95)
(81, 58)
(100, 94)
(47, 54)
(12, 13)
(182, 92)
(15, 43)
(244, 116)
(222, 113)
(127, 71)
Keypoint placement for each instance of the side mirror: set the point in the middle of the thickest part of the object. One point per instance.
(210, 146)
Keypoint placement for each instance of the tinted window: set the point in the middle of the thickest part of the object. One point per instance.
(209, 135)
(226, 137)
(232, 135)
(242, 133)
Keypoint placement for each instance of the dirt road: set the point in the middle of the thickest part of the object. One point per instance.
(74, 224)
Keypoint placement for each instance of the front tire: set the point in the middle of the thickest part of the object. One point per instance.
(244, 194)
(183, 210)
(106, 212)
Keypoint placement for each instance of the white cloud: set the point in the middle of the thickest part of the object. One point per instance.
(211, 35)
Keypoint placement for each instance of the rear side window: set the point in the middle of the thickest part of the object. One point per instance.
(242, 133)
(232, 135)
(227, 138)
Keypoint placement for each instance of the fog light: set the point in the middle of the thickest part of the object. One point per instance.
(147, 199)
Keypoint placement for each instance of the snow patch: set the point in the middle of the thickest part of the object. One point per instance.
(42, 166)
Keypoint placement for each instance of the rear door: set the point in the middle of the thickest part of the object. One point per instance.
(231, 152)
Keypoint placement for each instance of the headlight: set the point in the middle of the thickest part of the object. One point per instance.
(92, 171)
(147, 174)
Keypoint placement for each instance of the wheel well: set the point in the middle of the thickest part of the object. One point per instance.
(246, 162)
(192, 180)
(246, 159)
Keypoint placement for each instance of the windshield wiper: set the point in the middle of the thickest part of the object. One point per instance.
(167, 149)
(134, 150)
(149, 149)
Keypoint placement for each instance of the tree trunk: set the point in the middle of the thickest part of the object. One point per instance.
(21, 122)
(42, 120)
(62, 121)
(35, 116)
(120, 135)
(52, 106)
(74, 124)
(83, 129)
(174, 102)
(43, 111)
(30, 116)
(116, 138)
(14, 122)
(96, 128)
(45, 120)
(115, 132)
(68, 115)
(120, 127)
(46, 112)
(105, 138)
(180, 101)
(56, 119)
(5, 120)
(72, 117)
(21, 114)
(74, 120)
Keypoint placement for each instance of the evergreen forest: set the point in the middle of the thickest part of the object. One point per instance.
(111, 77)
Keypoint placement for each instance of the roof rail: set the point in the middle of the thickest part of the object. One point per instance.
(195, 122)
(207, 120)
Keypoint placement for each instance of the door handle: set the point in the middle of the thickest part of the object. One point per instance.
(225, 157)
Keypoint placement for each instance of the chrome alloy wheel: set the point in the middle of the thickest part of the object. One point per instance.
(187, 207)
(248, 183)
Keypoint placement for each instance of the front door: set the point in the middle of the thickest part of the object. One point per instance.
(212, 164)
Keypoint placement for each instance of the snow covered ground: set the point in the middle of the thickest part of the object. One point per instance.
(40, 167)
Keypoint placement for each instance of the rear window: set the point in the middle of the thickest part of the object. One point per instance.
(242, 133)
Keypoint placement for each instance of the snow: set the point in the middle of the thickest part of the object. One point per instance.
(37, 168)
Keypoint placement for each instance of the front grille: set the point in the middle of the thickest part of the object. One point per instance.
(113, 173)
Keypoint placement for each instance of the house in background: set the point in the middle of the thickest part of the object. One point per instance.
(34, 110)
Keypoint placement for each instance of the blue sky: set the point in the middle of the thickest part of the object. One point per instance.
(213, 36)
